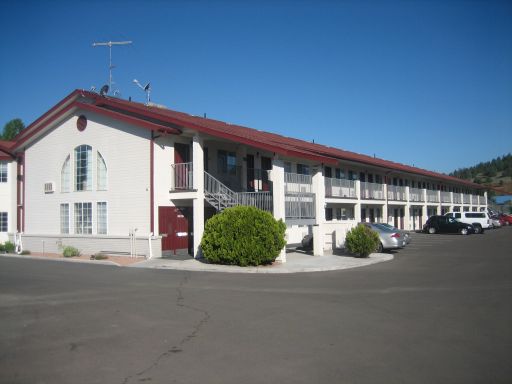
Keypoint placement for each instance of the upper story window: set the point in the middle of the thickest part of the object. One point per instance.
(287, 167)
(226, 162)
(3, 172)
(65, 175)
(101, 173)
(303, 169)
(83, 168)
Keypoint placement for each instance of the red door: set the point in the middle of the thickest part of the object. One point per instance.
(175, 226)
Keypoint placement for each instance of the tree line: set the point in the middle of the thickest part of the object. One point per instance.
(498, 167)
(11, 129)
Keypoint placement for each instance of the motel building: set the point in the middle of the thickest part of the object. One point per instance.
(106, 175)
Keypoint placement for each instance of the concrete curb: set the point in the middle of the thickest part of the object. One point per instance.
(100, 262)
(327, 263)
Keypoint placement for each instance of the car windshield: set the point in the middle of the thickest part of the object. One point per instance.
(451, 220)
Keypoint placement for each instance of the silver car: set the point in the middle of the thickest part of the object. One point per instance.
(389, 239)
(401, 231)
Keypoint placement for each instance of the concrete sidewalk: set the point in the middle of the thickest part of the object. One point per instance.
(295, 262)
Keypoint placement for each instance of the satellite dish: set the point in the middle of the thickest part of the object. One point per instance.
(104, 90)
(93, 88)
(147, 87)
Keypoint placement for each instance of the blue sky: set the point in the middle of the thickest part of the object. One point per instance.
(426, 83)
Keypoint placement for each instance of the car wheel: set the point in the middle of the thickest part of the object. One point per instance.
(463, 231)
(478, 229)
(431, 230)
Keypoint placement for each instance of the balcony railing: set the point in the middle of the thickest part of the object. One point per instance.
(261, 200)
(474, 200)
(482, 200)
(372, 191)
(340, 188)
(396, 193)
(457, 199)
(467, 198)
(416, 194)
(446, 197)
(297, 183)
(432, 196)
(182, 177)
(300, 206)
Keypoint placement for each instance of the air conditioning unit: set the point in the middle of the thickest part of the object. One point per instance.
(49, 187)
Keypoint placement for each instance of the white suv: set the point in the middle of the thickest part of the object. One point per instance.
(479, 220)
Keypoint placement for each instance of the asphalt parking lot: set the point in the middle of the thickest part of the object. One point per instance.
(440, 312)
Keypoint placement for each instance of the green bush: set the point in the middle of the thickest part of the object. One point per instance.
(243, 236)
(70, 252)
(8, 247)
(362, 241)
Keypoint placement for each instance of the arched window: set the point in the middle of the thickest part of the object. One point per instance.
(101, 169)
(83, 168)
(64, 176)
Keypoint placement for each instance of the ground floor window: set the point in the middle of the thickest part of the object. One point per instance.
(83, 218)
(101, 217)
(3, 222)
(64, 218)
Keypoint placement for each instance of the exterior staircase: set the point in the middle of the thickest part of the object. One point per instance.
(221, 197)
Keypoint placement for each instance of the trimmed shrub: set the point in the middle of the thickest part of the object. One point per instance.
(362, 241)
(243, 236)
(70, 252)
(25, 252)
(9, 247)
(99, 256)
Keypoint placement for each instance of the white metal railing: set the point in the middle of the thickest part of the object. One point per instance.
(372, 191)
(474, 200)
(340, 188)
(467, 198)
(432, 196)
(297, 183)
(457, 198)
(261, 200)
(396, 193)
(446, 197)
(482, 200)
(416, 194)
(300, 206)
(220, 196)
(182, 176)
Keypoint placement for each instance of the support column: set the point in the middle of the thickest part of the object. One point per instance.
(424, 211)
(486, 201)
(357, 207)
(318, 229)
(385, 207)
(241, 155)
(439, 205)
(257, 175)
(198, 202)
(277, 178)
(407, 210)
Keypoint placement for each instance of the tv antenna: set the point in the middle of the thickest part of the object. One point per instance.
(109, 44)
(146, 88)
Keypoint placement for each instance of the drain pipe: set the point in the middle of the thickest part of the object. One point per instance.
(150, 256)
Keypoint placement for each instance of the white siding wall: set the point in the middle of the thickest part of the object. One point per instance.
(8, 199)
(126, 151)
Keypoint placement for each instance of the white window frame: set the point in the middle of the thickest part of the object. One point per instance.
(4, 222)
(101, 173)
(79, 227)
(80, 171)
(67, 218)
(65, 175)
(105, 218)
(4, 172)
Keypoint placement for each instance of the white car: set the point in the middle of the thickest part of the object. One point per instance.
(479, 220)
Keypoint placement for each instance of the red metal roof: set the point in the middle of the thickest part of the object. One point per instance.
(271, 141)
(259, 139)
(5, 149)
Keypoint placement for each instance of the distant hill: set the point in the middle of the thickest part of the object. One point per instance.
(496, 174)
